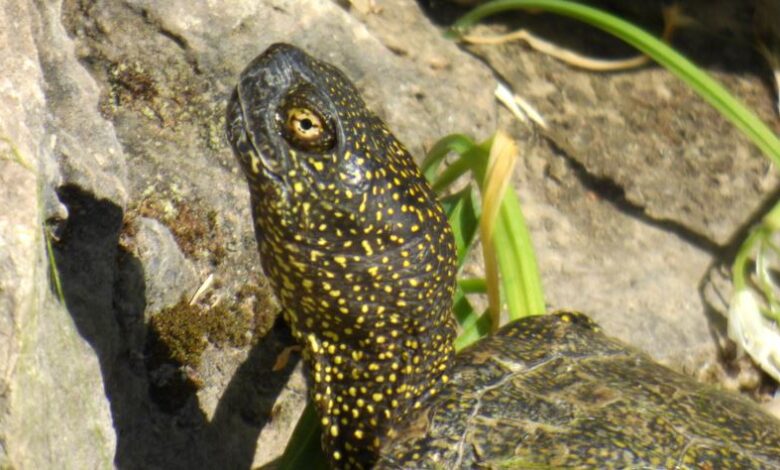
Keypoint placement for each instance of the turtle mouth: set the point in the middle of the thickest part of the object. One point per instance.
(252, 129)
(245, 146)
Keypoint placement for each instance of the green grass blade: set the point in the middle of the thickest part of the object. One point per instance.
(463, 310)
(455, 170)
(709, 89)
(474, 285)
(522, 286)
(463, 216)
(517, 263)
(456, 143)
(303, 449)
(473, 331)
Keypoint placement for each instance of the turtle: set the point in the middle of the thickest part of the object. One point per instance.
(361, 257)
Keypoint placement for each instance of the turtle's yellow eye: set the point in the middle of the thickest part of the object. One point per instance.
(306, 129)
(304, 124)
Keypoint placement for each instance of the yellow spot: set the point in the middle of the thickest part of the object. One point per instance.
(315, 347)
(331, 335)
(340, 260)
(317, 165)
(298, 187)
(334, 430)
(255, 164)
(336, 455)
(358, 434)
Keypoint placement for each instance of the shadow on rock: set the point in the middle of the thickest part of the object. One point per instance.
(158, 425)
(715, 286)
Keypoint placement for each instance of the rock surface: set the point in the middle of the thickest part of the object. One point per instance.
(111, 143)
(53, 407)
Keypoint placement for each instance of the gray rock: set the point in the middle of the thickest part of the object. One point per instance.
(168, 275)
(53, 410)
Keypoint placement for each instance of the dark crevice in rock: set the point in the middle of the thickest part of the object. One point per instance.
(611, 192)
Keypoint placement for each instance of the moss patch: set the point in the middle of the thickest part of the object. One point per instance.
(197, 230)
(184, 331)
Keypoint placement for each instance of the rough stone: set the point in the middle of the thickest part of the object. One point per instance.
(167, 273)
(53, 408)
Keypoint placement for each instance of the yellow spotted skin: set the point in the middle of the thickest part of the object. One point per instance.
(363, 261)
(358, 251)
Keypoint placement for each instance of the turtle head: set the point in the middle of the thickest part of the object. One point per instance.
(353, 240)
(303, 137)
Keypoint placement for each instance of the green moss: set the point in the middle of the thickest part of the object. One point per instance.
(184, 331)
(181, 330)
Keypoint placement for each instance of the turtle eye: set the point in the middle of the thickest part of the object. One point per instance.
(306, 129)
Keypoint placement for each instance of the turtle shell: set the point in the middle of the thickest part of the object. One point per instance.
(553, 391)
